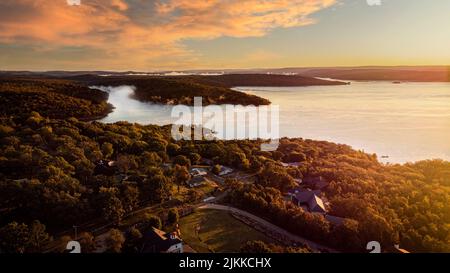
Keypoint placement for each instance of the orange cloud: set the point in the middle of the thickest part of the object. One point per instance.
(113, 26)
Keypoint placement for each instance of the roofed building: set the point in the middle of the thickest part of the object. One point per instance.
(197, 181)
(198, 172)
(310, 200)
(158, 241)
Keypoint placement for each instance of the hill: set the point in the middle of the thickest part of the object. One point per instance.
(52, 98)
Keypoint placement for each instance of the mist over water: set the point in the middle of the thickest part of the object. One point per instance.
(407, 122)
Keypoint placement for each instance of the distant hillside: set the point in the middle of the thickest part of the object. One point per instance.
(213, 89)
(277, 76)
(384, 74)
(176, 90)
(365, 73)
(232, 80)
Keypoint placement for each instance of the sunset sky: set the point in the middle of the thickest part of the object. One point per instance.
(192, 34)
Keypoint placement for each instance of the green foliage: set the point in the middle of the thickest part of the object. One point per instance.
(115, 241)
(262, 247)
(152, 221)
(87, 242)
(19, 238)
(48, 172)
(255, 247)
(181, 90)
(173, 216)
(51, 98)
(182, 161)
(111, 205)
(275, 176)
(14, 237)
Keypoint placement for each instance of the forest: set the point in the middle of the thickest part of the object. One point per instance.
(53, 176)
(52, 98)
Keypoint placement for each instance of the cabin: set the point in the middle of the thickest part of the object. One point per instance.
(105, 167)
(158, 241)
(198, 172)
(309, 200)
(197, 181)
(225, 170)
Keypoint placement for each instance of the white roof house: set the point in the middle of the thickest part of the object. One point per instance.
(198, 172)
(225, 170)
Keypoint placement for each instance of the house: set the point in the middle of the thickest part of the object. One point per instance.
(197, 181)
(225, 170)
(310, 200)
(198, 172)
(158, 241)
(105, 167)
(316, 182)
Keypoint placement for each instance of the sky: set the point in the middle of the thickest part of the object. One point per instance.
(146, 35)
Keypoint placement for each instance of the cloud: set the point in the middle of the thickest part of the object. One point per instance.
(144, 33)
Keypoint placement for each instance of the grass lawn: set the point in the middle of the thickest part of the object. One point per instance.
(219, 232)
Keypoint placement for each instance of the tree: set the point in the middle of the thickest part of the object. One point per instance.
(126, 163)
(193, 195)
(107, 149)
(276, 176)
(195, 158)
(182, 161)
(181, 175)
(87, 242)
(110, 204)
(129, 197)
(157, 144)
(157, 186)
(152, 221)
(296, 157)
(255, 247)
(14, 238)
(150, 159)
(173, 149)
(134, 234)
(115, 241)
(173, 216)
(38, 237)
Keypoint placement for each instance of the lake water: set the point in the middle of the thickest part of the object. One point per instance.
(407, 122)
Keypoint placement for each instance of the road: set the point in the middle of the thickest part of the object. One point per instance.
(269, 227)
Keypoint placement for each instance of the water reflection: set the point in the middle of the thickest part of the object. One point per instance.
(407, 122)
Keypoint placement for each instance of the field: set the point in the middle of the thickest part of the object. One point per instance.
(219, 232)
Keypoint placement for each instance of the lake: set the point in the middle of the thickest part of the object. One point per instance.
(407, 122)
